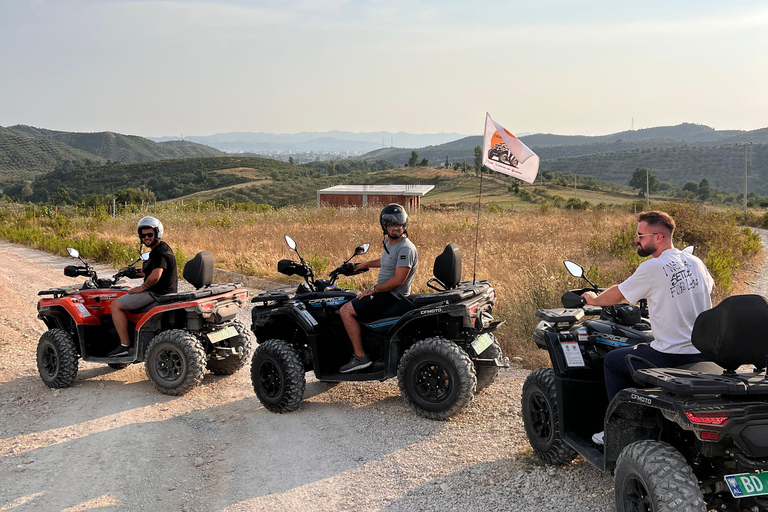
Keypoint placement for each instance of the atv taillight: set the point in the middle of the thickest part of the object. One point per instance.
(473, 309)
(242, 297)
(710, 436)
(708, 418)
(206, 308)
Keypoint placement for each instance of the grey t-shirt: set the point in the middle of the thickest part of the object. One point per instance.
(401, 254)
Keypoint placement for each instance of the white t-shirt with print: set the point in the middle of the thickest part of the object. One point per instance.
(677, 286)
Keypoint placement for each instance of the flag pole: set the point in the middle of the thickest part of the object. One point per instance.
(477, 228)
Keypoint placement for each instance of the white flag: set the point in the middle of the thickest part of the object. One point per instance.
(505, 153)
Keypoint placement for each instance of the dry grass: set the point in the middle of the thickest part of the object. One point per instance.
(520, 254)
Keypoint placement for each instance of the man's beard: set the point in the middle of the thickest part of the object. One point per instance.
(645, 252)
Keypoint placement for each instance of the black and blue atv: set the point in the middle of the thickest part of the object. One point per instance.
(442, 350)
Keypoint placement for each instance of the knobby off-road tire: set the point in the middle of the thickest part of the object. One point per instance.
(175, 362)
(653, 476)
(229, 365)
(277, 376)
(542, 425)
(57, 359)
(118, 366)
(436, 378)
(487, 374)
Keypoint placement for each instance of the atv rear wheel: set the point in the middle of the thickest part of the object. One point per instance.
(57, 358)
(277, 376)
(232, 363)
(487, 374)
(175, 362)
(436, 378)
(652, 476)
(542, 425)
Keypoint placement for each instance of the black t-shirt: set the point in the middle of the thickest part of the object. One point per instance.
(162, 257)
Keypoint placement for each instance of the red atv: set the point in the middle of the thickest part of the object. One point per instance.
(177, 336)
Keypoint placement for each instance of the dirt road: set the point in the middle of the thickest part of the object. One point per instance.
(111, 442)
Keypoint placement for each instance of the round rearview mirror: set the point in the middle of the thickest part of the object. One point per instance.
(73, 252)
(362, 249)
(290, 241)
(144, 256)
(689, 249)
(574, 269)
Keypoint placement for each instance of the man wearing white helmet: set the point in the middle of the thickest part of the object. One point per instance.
(160, 278)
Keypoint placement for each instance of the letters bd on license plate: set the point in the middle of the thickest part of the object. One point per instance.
(748, 484)
(229, 332)
(481, 343)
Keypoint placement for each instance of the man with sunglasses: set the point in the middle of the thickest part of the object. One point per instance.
(386, 297)
(677, 286)
(159, 272)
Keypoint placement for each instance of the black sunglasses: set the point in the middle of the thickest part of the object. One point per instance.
(146, 235)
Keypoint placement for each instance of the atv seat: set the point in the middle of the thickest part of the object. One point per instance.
(731, 334)
(447, 281)
(199, 273)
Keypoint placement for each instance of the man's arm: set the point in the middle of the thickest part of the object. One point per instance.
(152, 280)
(609, 297)
(369, 264)
(401, 275)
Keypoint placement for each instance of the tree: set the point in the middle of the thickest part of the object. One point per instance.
(691, 186)
(290, 160)
(639, 178)
(704, 190)
(424, 162)
(414, 158)
(447, 164)
(478, 158)
(331, 168)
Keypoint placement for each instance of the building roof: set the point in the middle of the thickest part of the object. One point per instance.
(406, 190)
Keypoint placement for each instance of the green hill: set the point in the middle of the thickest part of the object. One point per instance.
(167, 179)
(118, 147)
(24, 157)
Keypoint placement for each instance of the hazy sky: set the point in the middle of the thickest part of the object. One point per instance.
(157, 68)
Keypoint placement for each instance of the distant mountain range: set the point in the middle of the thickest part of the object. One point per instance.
(318, 142)
(26, 151)
(677, 154)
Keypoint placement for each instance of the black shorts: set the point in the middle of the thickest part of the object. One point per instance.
(379, 305)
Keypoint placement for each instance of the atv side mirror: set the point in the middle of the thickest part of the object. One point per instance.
(689, 249)
(291, 242)
(362, 249)
(144, 256)
(574, 269)
(73, 252)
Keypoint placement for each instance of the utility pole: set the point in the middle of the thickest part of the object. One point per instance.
(746, 145)
(647, 188)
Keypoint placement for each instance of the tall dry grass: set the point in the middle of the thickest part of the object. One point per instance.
(520, 253)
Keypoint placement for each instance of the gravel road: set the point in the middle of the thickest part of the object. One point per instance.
(111, 442)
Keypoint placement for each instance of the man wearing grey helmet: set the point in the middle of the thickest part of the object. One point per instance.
(159, 272)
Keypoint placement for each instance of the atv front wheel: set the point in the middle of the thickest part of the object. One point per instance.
(232, 363)
(277, 376)
(175, 362)
(436, 378)
(652, 476)
(487, 374)
(542, 425)
(57, 358)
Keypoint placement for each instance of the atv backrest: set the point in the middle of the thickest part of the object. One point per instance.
(734, 332)
(199, 270)
(447, 270)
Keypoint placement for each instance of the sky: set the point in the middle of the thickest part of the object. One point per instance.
(156, 68)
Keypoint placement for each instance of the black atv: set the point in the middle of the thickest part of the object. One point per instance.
(686, 439)
(442, 350)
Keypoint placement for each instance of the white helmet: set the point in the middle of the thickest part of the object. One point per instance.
(151, 222)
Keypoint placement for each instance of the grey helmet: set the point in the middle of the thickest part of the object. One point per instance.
(393, 214)
(151, 222)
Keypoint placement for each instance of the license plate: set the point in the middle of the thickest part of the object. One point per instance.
(481, 343)
(748, 484)
(216, 336)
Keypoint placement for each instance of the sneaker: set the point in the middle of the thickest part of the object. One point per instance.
(356, 363)
(598, 438)
(121, 350)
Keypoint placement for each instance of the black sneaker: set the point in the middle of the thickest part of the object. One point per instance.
(121, 350)
(356, 363)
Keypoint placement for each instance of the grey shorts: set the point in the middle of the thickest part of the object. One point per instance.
(131, 301)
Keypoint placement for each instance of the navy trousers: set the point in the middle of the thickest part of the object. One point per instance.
(617, 373)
